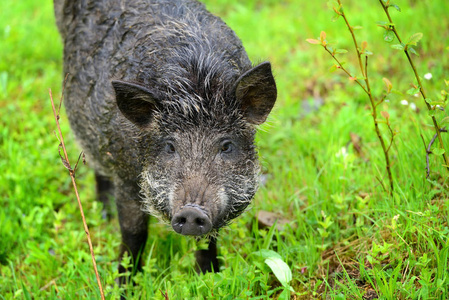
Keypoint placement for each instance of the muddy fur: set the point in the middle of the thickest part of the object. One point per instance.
(164, 101)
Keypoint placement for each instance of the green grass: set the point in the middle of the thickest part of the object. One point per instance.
(347, 237)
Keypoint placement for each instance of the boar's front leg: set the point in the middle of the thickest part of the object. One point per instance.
(207, 259)
(104, 194)
(133, 224)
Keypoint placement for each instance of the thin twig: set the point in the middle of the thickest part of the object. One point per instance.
(76, 165)
(72, 176)
(359, 55)
(392, 134)
(376, 127)
(428, 151)
(427, 157)
(340, 66)
(381, 183)
(418, 79)
(381, 100)
(50, 283)
(62, 93)
(165, 295)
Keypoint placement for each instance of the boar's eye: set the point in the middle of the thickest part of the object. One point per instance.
(170, 148)
(227, 147)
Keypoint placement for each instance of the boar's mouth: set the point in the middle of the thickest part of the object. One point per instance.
(196, 207)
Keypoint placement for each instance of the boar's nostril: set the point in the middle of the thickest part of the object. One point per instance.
(191, 221)
(200, 221)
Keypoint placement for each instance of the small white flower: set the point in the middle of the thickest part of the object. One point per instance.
(404, 102)
(413, 106)
(342, 153)
(428, 76)
(386, 100)
(416, 95)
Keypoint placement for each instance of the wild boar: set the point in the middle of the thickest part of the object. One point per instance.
(164, 101)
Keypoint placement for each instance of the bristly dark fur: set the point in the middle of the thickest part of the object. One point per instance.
(190, 57)
(164, 101)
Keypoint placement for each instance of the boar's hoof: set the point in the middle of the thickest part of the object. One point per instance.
(191, 221)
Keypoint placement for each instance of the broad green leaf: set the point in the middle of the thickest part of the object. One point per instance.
(398, 46)
(395, 6)
(388, 36)
(335, 17)
(438, 151)
(383, 23)
(323, 233)
(432, 113)
(326, 223)
(334, 68)
(436, 102)
(414, 39)
(341, 51)
(285, 295)
(340, 297)
(413, 91)
(412, 50)
(280, 269)
(264, 253)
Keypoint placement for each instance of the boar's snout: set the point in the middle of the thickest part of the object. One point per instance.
(191, 221)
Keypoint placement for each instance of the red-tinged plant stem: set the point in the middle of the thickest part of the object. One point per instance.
(340, 66)
(377, 129)
(72, 176)
(367, 90)
(359, 58)
(421, 89)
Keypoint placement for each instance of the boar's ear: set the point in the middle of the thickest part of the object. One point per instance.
(256, 92)
(135, 102)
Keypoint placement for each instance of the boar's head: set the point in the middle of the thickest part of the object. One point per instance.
(200, 162)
